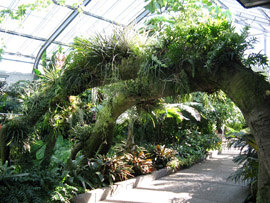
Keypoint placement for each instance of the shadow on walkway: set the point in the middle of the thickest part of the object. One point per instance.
(205, 182)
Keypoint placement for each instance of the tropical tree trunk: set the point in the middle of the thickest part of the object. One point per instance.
(49, 150)
(4, 149)
(130, 138)
(101, 137)
(251, 93)
(259, 123)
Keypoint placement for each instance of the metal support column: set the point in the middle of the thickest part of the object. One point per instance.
(265, 44)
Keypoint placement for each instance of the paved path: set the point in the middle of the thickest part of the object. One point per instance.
(205, 182)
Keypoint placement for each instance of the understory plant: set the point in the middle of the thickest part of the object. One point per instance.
(247, 159)
(34, 185)
(161, 155)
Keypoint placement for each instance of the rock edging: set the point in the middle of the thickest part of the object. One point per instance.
(105, 192)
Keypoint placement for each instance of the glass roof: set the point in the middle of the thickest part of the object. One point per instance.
(24, 40)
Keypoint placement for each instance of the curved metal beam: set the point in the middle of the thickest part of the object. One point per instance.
(90, 14)
(11, 32)
(57, 32)
(139, 17)
(15, 60)
(21, 55)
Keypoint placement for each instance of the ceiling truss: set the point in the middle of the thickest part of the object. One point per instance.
(261, 23)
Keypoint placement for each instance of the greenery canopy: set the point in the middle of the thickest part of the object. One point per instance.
(195, 48)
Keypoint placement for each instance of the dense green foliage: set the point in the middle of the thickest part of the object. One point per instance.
(74, 123)
(247, 159)
(35, 185)
(10, 99)
(45, 142)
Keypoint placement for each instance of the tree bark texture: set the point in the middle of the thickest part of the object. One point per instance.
(259, 122)
(130, 138)
(4, 149)
(249, 91)
(49, 150)
(101, 137)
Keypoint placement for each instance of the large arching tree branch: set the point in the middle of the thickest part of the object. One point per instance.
(249, 91)
(100, 139)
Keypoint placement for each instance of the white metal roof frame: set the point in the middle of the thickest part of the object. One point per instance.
(58, 25)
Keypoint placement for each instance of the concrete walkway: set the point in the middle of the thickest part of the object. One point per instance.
(205, 182)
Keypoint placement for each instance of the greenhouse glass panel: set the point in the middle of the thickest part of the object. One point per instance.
(23, 40)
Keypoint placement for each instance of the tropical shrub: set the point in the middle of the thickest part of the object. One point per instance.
(140, 162)
(99, 171)
(112, 169)
(35, 185)
(81, 174)
(161, 155)
(10, 96)
(247, 159)
(138, 158)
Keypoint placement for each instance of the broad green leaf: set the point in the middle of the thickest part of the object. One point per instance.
(101, 177)
(59, 141)
(37, 72)
(40, 153)
(173, 113)
(43, 59)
